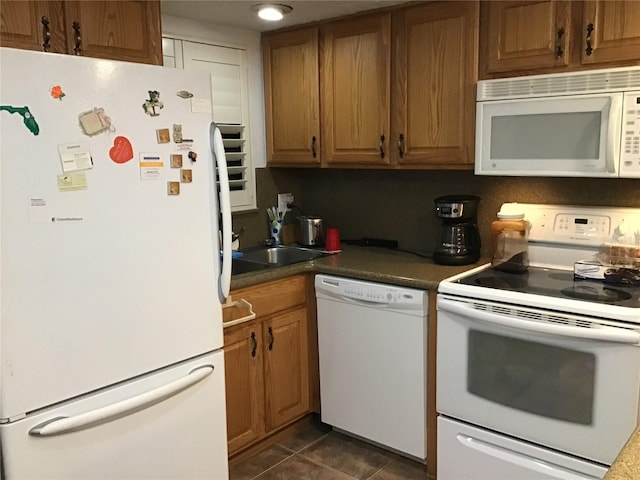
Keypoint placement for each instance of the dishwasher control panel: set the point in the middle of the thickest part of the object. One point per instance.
(347, 289)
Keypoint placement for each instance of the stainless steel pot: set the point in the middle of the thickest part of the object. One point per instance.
(310, 231)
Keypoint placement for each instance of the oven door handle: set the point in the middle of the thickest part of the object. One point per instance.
(604, 334)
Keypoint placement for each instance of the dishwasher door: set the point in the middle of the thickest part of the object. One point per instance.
(373, 360)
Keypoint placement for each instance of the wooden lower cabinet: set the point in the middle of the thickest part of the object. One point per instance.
(267, 363)
(244, 386)
(286, 369)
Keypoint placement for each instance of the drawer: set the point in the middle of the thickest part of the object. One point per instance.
(272, 297)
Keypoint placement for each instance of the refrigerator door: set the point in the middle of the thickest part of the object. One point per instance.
(179, 435)
(108, 271)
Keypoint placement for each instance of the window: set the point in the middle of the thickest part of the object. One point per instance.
(227, 67)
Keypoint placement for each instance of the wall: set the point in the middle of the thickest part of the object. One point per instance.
(399, 204)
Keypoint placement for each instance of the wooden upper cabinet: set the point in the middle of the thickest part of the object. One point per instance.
(33, 26)
(355, 90)
(524, 35)
(611, 31)
(292, 97)
(118, 30)
(433, 96)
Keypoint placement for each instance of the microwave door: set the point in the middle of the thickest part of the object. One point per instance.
(552, 136)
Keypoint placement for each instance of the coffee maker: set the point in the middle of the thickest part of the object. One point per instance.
(459, 238)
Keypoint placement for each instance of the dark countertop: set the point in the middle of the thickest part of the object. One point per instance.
(627, 465)
(365, 263)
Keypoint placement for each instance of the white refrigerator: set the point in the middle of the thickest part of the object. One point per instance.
(111, 362)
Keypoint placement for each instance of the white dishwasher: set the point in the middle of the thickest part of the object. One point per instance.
(372, 340)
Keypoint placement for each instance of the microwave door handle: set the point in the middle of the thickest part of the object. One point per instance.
(613, 335)
(613, 133)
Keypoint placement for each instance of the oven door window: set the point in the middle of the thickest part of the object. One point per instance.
(545, 380)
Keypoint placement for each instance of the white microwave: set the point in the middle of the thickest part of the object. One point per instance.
(578, 124)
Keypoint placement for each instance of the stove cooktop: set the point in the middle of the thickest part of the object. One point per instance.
(557, 284)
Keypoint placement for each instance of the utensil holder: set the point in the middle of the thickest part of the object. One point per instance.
(275, 229)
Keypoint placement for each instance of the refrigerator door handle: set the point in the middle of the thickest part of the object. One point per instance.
(217, 147)
(60, 425)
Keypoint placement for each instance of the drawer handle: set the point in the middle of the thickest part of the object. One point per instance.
(254, 344)
(77, 49)
(46, 34)
(589, 49)
(242, 303)
(559, 50)
(271, 338)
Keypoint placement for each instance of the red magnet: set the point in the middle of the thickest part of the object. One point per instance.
(122, 151)
(193, 156)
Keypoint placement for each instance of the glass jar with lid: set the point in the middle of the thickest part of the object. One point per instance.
(510, 234)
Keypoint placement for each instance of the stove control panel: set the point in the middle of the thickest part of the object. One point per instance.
(579, 225)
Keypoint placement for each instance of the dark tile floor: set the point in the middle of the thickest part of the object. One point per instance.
(315, 452)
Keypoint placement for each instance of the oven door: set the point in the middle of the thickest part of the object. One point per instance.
(563, 381)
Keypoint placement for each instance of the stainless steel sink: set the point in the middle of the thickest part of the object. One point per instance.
(263, 257)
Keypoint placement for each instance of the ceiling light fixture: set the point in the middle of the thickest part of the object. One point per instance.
(272, 12)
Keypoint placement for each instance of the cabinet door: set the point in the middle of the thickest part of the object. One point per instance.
(525, 35)
(33, 26)
(611, 31)
(292, 97)
(286, 367)
(118, 30)
(434, 84)
(355, 93)
(244, 385)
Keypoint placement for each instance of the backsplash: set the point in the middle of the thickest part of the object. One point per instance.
(398, 205)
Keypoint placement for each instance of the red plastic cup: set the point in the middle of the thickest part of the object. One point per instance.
(332, 240)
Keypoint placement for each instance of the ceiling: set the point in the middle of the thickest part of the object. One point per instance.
(239, 14)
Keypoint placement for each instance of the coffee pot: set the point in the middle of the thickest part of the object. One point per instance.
(459, 235)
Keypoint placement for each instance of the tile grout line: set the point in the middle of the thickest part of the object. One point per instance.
(328, 467)
(275, 465)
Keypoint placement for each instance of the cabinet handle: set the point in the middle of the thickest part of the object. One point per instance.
(271, 339)
(78, 38)
(401, 146)
(381, 146)
(559, 50)
(313, 146)
(46, 34)
(254, 344)
(589, 49)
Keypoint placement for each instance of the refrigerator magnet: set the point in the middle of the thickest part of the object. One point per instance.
(122, 151)
(72, 181)
(27, 117)
(75, 156)
(177, 133)
(173, 188)
(193, 156)
(186, 175)
(153, 105)
(176, 160)
(184, 94)
(162, 134)
(151, 166)
(95, 121)
(57, 93)
(200, 105)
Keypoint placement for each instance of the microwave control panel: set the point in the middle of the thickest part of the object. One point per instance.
(630, 148)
